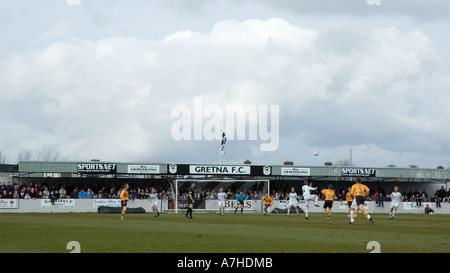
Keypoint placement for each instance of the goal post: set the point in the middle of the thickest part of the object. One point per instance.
(206, 192)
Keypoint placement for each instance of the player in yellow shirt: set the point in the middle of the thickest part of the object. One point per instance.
(330, 195)
(349, 199)
(124, 196)
(359, 192)
(268, 202)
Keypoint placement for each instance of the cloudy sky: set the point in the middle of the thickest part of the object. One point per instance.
(106, 79)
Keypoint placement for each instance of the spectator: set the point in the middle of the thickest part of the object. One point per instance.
(410, 195)
(341, 195)
(375, 198)
(437, 200)
(37, 192)
(381, 199)
(201, 195)
(418, 200)
(82, 194)
(441, 193)
(8, 187)
(45, 193)
(446, 199)
(428, 210)
(404, 196)
(89, 194)
(112, 194)
(74, 193)
(62, 192)
(32, 193)
(54, 195)
(424, 193)
(412, 199)
(22, 193)
(99, 194)
(424, 197)
(9, 195)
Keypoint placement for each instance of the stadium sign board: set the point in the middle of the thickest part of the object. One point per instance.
(105, 168)
(295, 171)
(358, 172)
(9, 203)
(115, 203)
(59, 203)
(210, 169)
(143, 169)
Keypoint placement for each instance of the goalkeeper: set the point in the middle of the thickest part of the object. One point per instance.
(240, 201)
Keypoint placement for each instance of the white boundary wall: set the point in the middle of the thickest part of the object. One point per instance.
(69, 205)
(372, 207)
(251, 206)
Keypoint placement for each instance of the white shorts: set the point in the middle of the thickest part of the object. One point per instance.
(293, 203)
(354, 205)
(395, 204)
(221, 203)
(308, 198)
(154, 203)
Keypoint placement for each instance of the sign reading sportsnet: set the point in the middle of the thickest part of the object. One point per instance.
(358, 172)
(199, 169)
(96, 167)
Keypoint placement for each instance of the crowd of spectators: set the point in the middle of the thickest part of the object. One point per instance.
(33, 190)
(377, 195)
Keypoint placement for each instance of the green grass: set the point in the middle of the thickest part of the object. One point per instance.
(211, 233)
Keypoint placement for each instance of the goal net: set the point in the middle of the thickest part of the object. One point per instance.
(205, 194)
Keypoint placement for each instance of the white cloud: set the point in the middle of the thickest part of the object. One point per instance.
(59, 32)
(112, 98)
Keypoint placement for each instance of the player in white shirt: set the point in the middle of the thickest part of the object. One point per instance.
(221, 198)
(293, 201)
(307, 196)
(153, 199)
(396, 198)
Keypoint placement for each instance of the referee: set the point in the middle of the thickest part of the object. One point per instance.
(191, 200)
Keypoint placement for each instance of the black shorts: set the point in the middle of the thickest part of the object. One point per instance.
(328, 204)
(349, 203)
(360, 200)
(240, 203)
(266, 205)
(190, 201)
(123, 203)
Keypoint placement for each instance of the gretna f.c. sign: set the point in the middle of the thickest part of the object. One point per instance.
(200, 169)
(358, 172)
(97, 167)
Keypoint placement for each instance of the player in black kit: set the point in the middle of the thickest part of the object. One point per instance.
(191, 201)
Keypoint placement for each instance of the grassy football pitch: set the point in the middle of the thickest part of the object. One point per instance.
(211, 233)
